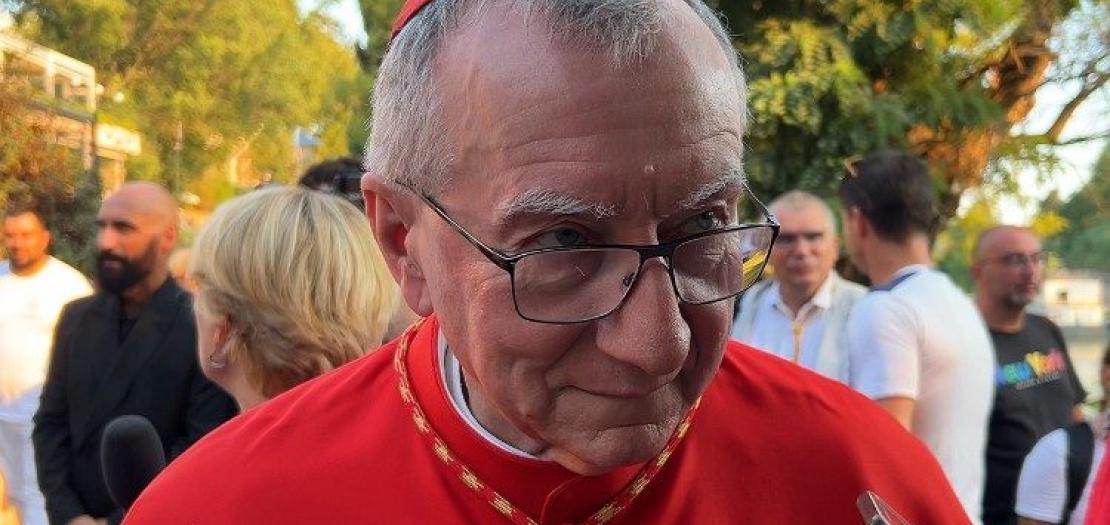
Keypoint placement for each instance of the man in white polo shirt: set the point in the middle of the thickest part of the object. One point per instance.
(916, 343)
(800, 314)
(33, 289)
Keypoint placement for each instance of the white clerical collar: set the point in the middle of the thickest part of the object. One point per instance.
(451, 375)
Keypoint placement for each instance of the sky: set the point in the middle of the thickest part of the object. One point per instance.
(1077, 160)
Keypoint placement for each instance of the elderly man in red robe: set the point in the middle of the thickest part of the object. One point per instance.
(554, 184)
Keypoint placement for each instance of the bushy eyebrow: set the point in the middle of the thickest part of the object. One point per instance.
(731, 180)
(543, 201)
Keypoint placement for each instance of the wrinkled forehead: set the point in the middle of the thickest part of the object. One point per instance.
(536, 119)
(531, 73)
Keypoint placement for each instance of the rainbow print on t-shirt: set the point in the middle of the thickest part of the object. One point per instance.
(1037, 368)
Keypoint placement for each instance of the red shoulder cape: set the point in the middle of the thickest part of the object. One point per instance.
(770, 443)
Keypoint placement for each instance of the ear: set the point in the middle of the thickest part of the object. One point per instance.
(168, 238)
(221, 350)
(223, 332)
(857, 223)
(393, 213)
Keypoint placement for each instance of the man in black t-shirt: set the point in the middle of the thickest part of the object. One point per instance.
(1037, 389)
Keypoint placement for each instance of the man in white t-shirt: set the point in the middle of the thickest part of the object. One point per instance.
(800, 314)
(33, 289)
(916, 343)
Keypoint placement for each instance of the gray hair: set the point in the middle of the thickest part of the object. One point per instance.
(410, 141)
(801, 200)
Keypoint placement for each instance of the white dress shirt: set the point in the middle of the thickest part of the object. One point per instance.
(795, 336)
(814, 332)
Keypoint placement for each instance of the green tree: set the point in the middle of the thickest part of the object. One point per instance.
(377, 20)
(215, 87)
(956, 244)
(948, 79)
(33, 166)
(1086, 241)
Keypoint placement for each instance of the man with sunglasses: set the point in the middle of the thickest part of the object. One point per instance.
(1037, 390)
(800, 314)
(554, 185)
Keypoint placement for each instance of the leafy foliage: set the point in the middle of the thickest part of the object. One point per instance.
(830, 80)
(958, 242)
(377, 19)
(33, 166)
(214, 86)
(1086, 242)
(947, 79)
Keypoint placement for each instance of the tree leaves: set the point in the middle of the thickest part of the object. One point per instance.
(210, 83)
(33, 166)
(839, 78)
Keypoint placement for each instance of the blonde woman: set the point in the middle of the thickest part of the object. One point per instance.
(290, 284)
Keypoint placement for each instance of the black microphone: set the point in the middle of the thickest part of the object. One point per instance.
(131, 455)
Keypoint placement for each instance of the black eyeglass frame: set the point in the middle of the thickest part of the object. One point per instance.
(665, 250)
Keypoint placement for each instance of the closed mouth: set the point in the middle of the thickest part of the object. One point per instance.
(623, 394)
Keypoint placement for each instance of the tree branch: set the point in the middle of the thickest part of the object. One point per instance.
(1085, 138)
(151, 49)
(1044, 138)
(1062, 119)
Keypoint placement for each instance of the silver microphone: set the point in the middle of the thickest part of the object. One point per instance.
(875, 511)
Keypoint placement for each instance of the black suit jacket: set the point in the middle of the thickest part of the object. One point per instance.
(93, 378)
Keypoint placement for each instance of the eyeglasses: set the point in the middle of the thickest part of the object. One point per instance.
(575, 284)
(1020, 260)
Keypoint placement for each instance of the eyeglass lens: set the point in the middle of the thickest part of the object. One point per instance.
(1022, 259)
(581, 284)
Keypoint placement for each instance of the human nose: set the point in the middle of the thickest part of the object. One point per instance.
(106, 239)
(1032, 266)
(648, 330)
(804, 245)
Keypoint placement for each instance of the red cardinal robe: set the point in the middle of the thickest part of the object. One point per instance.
(1098, 506)
(378, 441)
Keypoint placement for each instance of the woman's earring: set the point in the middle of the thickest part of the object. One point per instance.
(217, 362)
(218, 358)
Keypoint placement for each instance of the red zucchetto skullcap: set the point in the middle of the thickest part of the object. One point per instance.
(408, 11)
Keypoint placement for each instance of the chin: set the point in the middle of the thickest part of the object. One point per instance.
(804, 282)
(1021, 301)
(615, 448)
